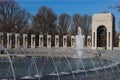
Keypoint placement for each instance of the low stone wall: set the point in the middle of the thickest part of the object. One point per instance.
(63, 52)
(54, 52)
(116, 48)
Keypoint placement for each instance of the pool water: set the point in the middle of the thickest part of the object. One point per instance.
(49, 68)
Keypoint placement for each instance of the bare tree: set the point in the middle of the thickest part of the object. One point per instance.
(12, 17)
(86, 26)
(117, 7)
(77, 21)
(45, 21)
(64, 23)
(81, 21)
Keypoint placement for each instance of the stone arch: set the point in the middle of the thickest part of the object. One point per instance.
(101, 36)
(103, 24)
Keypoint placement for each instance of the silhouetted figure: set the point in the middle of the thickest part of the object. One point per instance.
(2, 51)
(99, 53)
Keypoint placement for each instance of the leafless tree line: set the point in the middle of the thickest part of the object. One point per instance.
(14, 19)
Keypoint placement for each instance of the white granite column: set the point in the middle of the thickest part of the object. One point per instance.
(119, 41)
(110, 39)
(88, 41)
(40, 40)
(48, 41)
(1, 38)
(64, 41)
(9, 40)
(73, 41)
(17, 40)
(32, 40)
(94, 40)
(56, 41)
(25, 38)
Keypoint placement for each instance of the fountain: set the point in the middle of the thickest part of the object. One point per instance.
(79, 44)
(55, 68)
(10, 60)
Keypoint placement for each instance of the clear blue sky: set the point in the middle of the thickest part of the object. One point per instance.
(72, 6)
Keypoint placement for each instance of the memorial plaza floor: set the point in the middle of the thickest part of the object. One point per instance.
(68, 52)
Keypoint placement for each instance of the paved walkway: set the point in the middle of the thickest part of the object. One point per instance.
(60, 52)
